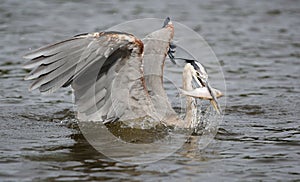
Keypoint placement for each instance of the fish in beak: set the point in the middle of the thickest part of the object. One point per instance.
(206, 93)
(203, 89)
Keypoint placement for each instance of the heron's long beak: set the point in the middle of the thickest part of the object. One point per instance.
(214, 101)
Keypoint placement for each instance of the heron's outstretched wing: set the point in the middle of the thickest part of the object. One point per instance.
(93, 64)
(56, 64)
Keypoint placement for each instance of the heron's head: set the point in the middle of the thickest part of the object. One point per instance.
(167, 22)
(203, 89)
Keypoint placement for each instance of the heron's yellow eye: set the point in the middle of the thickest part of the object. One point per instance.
(198, 74)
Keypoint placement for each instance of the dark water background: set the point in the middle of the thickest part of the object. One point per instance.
(257, 43)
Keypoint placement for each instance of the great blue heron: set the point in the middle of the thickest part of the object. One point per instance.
(118, 77)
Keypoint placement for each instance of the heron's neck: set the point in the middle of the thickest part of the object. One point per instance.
(191, 109)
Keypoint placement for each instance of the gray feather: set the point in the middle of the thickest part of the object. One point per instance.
(53, 48)
(90, 64)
